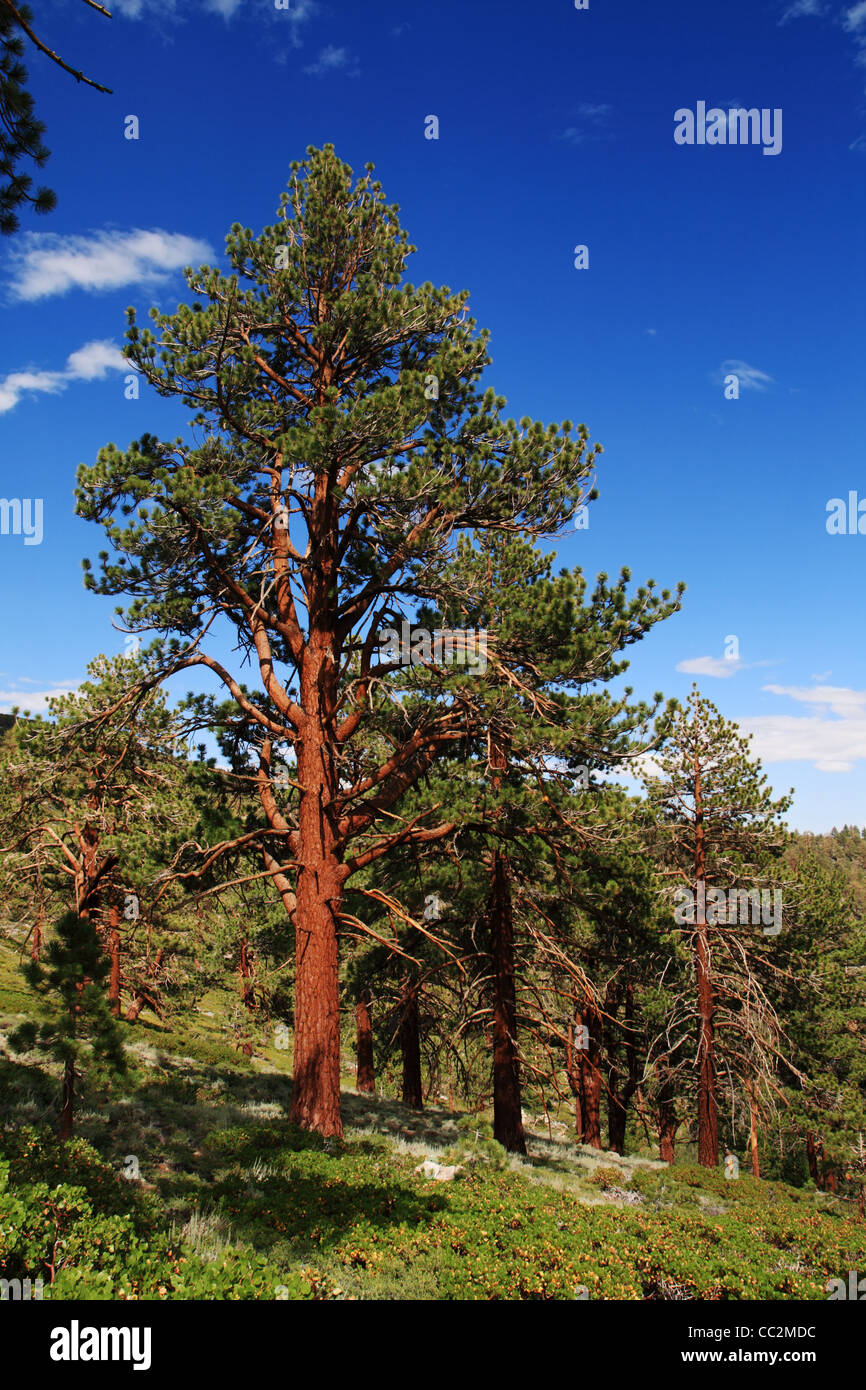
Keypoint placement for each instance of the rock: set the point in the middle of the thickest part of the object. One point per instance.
(440, 1172)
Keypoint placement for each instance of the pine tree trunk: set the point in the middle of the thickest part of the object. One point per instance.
(316, 1070)
(114, 957)
(410, 1045)
(507, 1112)
(619, 1097)
(574, 1072)
(590, 1065)
(316, 1067)
(507, 1105)
(812, 1159)
(708, 1111)
(667, 1113)
(366, 1077)
(708, 1115)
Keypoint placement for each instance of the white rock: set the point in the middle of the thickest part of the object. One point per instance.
(440, 1172)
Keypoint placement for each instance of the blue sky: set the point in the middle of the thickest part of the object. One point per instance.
(556, 129)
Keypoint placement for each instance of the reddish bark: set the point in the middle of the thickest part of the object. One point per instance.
(316, 1070)
(410, 1045)
(366, 1076)
(36, 943)
(708, 1110)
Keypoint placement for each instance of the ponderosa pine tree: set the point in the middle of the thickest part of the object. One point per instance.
(716, 830)
(319, 505)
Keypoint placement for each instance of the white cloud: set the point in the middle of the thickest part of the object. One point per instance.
(333, 59)
(855, 19)
(723, 667)
(49, 264)
(88, 363)
(34, 701)
(750, 378)
(801, 8)
(832, 738)
(297, 12)
(91, 362)
(839, 699)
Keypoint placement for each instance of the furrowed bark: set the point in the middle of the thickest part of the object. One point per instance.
(316, 1074)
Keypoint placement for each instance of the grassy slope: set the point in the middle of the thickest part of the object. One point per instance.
(226, 1172)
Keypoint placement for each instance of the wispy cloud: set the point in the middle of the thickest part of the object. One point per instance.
(832, 737)
(139, 9)
(48, 264)
(333, 59)
(721, 667)
(800, 9)
(750, 378)
(854, 22)
(296, 13)
(593, 117)
(91, 362)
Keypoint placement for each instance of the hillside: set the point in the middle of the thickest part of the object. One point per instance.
(231, 1201)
